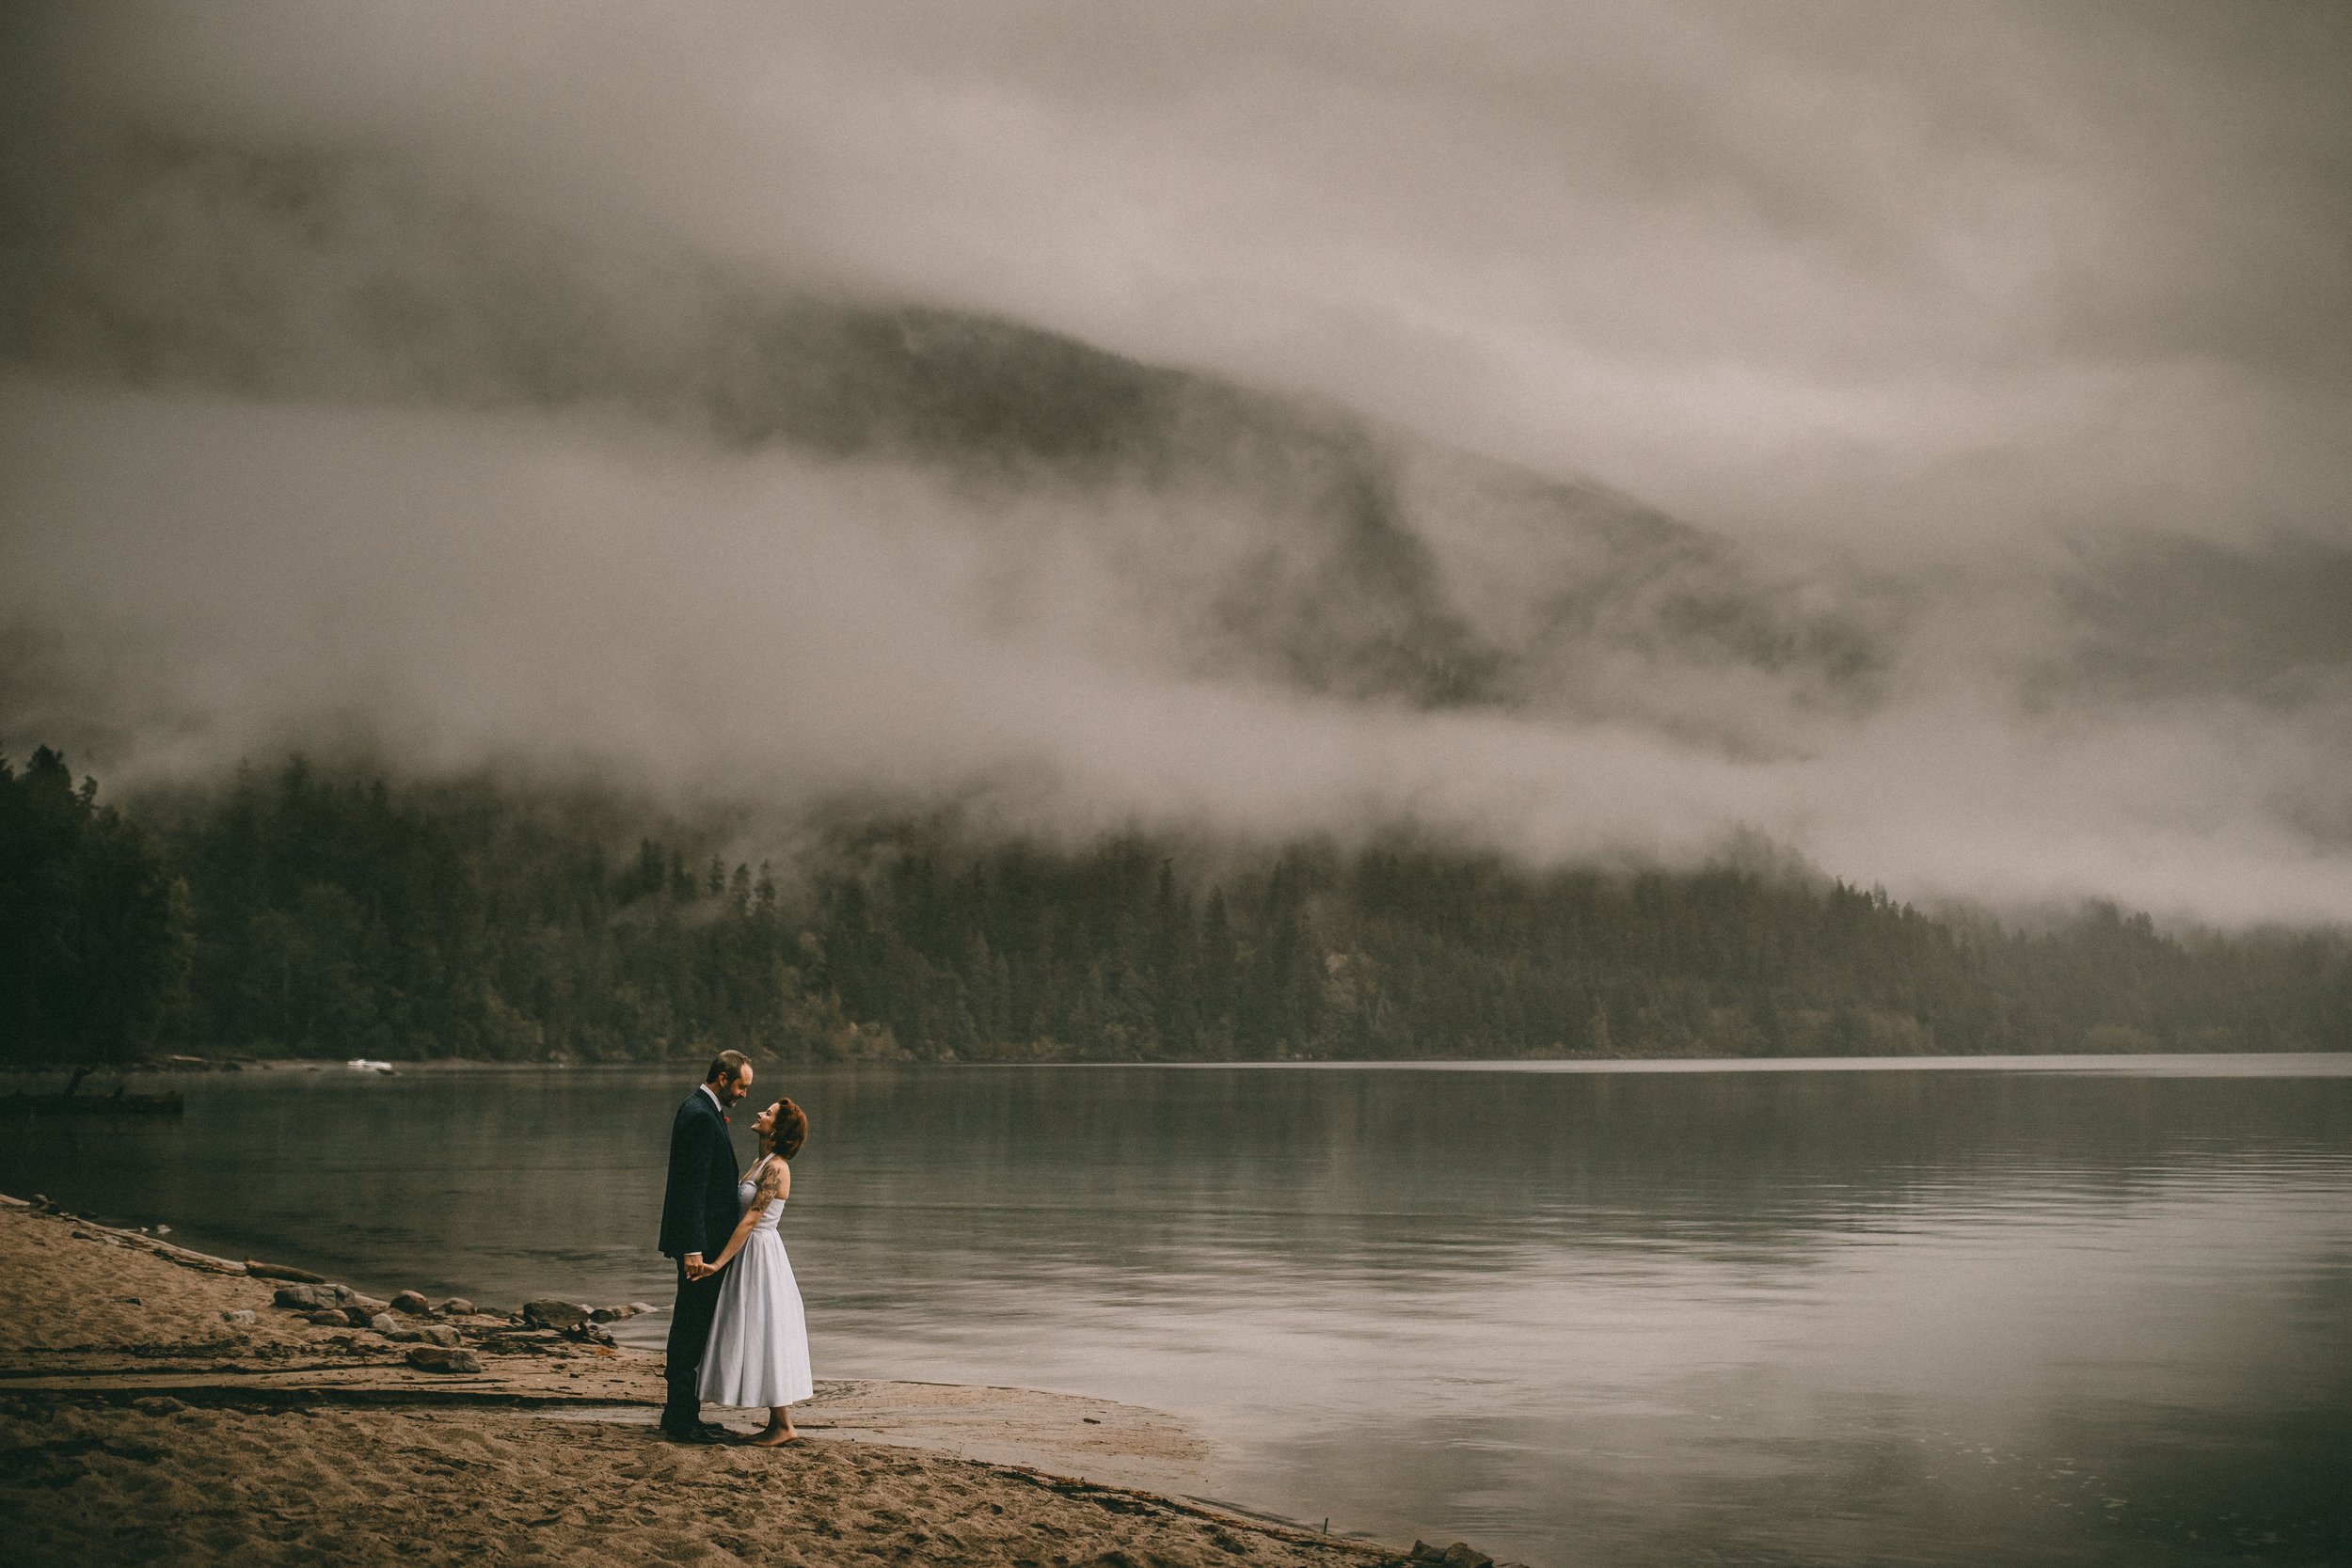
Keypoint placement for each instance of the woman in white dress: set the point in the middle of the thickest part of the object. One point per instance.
(758, 1349)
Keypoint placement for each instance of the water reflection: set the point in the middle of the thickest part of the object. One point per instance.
(2029, 1315)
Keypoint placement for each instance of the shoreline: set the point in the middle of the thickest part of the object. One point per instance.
(162, 1405)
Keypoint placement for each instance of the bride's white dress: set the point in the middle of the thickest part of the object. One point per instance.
(759, 1350)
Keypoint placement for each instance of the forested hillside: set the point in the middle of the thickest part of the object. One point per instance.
(342, 913)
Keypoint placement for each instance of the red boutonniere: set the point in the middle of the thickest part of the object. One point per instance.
(729, 1121)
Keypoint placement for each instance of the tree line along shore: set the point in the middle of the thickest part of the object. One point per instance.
(314, 912)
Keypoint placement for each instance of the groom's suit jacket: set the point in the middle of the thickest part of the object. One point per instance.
(698, 1206)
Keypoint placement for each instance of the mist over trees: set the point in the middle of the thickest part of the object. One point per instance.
(906, 495)
(339, 913)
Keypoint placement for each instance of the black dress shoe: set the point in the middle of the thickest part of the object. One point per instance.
(701, 1431)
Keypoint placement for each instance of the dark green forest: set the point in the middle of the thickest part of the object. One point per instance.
(343, 912)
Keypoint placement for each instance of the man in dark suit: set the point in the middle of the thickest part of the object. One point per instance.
(698, 1214)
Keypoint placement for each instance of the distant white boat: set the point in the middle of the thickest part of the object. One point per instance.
(361, 1064)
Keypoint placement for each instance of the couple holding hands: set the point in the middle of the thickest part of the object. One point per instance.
(738, 1336)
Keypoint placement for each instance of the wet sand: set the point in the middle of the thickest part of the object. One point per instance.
(139, 1424)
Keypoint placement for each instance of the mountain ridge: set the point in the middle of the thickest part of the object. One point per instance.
(306, 276)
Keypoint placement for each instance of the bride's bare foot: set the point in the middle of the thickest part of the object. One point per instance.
(776, 1437)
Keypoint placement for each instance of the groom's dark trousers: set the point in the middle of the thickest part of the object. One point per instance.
(698, 1214)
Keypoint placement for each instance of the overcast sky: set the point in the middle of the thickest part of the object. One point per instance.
(1927, 288)
(1902, 269)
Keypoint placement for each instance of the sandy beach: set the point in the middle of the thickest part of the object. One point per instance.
(158, 1406)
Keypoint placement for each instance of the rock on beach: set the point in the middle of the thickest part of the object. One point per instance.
(430, 1334)
(443, 1358)
(1460, 1555)
(548, 1312)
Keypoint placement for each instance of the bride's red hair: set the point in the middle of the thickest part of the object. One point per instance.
(789, 1129)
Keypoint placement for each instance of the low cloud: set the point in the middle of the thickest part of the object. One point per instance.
(1913, 276)
(429, 381)
(455, 590)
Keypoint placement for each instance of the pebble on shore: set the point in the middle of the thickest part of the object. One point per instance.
(1460, 1555)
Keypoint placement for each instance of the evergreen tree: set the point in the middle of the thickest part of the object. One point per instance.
(94, 948)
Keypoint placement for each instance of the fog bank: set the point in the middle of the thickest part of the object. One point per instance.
(1902, 437)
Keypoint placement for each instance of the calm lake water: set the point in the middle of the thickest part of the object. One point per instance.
(2034, 1311)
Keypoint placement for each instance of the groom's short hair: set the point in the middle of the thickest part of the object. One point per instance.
(724, 1066)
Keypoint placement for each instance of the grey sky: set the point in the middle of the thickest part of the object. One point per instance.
(1896, 270)
(1907, 302)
